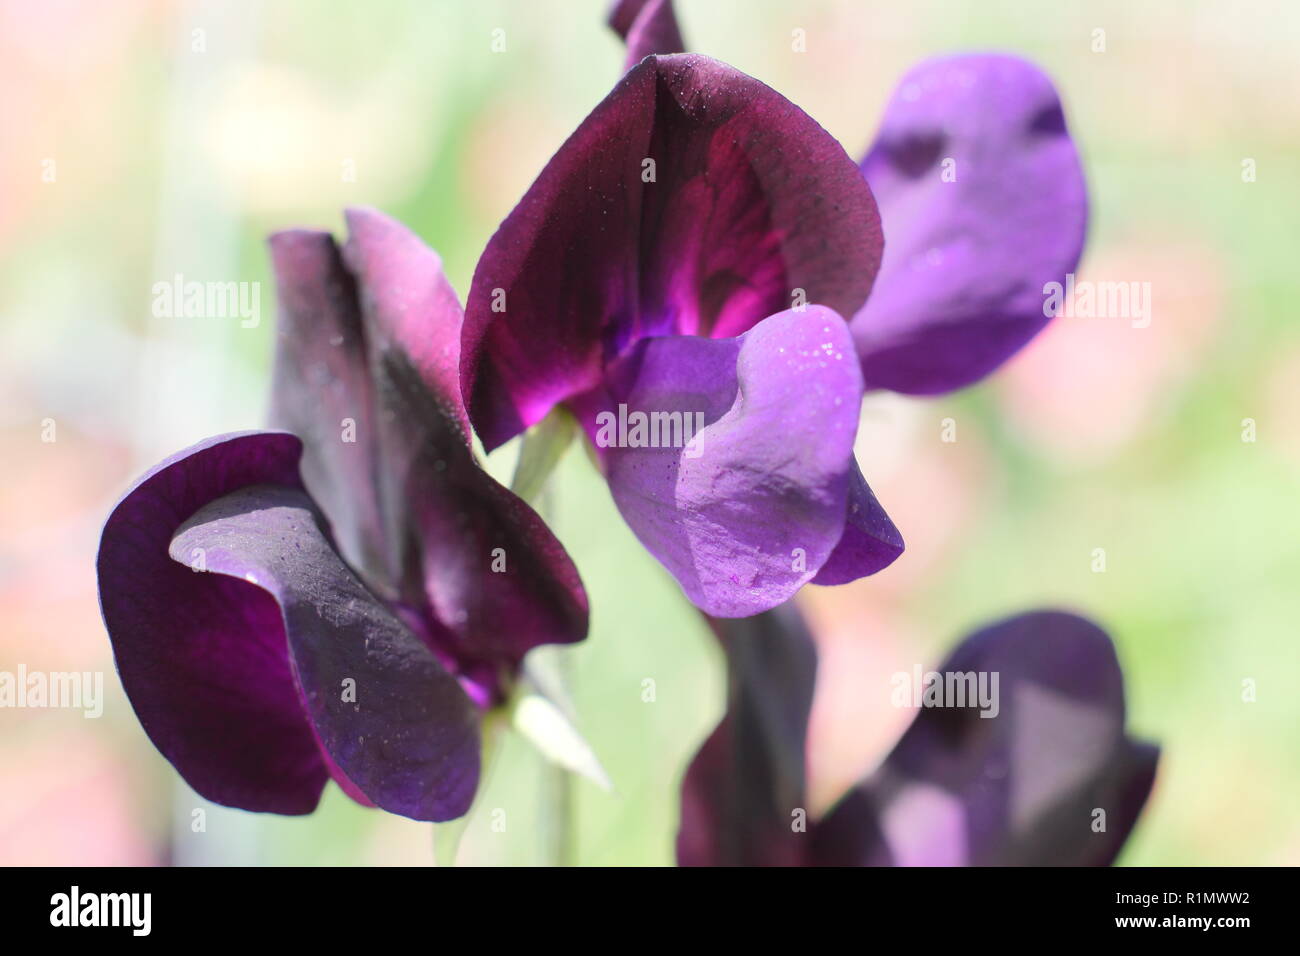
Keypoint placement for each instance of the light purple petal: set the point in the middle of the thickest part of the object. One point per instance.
(647, 26)
(961, 287)
(750, 208)
(744, 790)
(397, 725)
(748, 509)
(1023, 787)
(203, 659)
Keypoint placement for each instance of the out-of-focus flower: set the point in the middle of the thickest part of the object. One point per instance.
(1031, 767)
(369, 590)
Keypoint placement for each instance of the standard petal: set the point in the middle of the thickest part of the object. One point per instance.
(322, 391)
(496, 580)
(647, 26)
(203, 660)
(1049, 779)
(749, 506)
(693, 200)
(743, 794)
(342, 313)
(397, 725)
(983, 202)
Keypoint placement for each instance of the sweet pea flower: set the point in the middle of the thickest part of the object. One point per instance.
(630, 282)
(983, 204)
(701, 251)
(343, 598)
(1024, 761)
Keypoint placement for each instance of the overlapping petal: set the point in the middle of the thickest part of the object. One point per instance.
(755, 503)
(1050, 779)
(375, 331)
(203, 659)
(983, 202)
(391, 719)
(693, 200)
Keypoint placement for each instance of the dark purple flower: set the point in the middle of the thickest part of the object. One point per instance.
(693, 251)
(368, 589)
(1037, 772)
(631, 280)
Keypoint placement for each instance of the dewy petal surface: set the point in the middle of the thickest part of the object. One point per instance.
(397, 725)
(983, 202)
(647, 26)
(203, 659)
(1019, 788)
(754, 504)
(693, 200)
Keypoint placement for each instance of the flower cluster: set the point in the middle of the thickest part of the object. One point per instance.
(347, 595)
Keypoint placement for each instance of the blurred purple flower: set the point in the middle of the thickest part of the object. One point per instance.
(369, 590)
(1045, 775)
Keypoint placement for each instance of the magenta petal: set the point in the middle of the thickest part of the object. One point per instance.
(390, 717)
(203, 660)
(748, 511)
(1024, 787)
(743, 793)
(750, 208)
(647, 26)
(961, 287)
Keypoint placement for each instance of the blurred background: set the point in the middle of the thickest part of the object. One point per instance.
(142, 140)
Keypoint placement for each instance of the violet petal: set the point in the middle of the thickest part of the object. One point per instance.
(751, 508)
(961, 287)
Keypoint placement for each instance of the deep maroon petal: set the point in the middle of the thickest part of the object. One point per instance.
(744, 792)
(961, 287)
(497, 580)
(750, 208)
(1023, 787)
(203, 659)
(647, 26)
(397, 725)
(475, 565)
(322, 392)
(751, 506)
